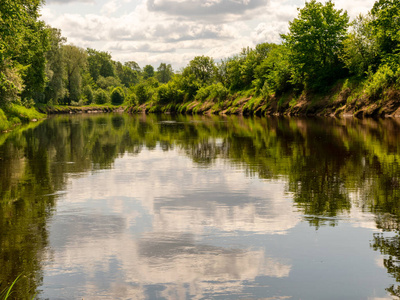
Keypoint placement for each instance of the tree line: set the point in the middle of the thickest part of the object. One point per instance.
(321, 47)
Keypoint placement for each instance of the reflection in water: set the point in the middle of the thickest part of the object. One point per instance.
(200, 207)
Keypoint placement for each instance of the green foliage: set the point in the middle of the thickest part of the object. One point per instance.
(148, 72)
(142, 93)
(100, 64)
(315, 42)
(117, 96)
(214, 91)
(272, 75)
(126, 75)
(101, 97)
(23, 42)
(169, 93)
(88, 94)
(384, 77)
(55, 70)
(75, 63)
(386, 25)
(11, 83)
(164, 73)
(106, 83)
(360, 48)
(132, 99)
(202, 69)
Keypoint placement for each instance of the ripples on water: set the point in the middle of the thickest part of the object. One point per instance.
(161, 207)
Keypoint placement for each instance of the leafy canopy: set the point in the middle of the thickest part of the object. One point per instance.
(315, 41)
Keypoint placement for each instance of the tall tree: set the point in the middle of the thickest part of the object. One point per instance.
(315, 40)
(100, 64)
(203, 68)
(55, 67)
(386, 25)
(164, 73)
(360, 50)
(148, 71)
(75, 64)
(127, 75)
(23, 42)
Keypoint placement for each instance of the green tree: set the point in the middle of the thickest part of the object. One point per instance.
(386, 25)
(107, 83)
(101, 97)
(126, 75)
(75, 64)
(360, 47)
(133, 66)
(315, 40)
(23, 42)
(203, 68)
(88, 94)
(55, 70)
(117, 96)
(100, 64)
(272, 75)
(164, 73)
(148, 71)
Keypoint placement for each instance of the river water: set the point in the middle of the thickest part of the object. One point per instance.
(205, 207)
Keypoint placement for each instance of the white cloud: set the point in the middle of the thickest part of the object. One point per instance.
(174, 31)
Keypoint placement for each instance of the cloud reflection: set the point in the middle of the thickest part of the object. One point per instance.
(146, 224)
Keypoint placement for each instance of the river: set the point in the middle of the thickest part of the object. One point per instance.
(117, 206)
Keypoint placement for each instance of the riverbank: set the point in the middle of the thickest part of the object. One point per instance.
(14, 115)
(341, 100)
(65, 109)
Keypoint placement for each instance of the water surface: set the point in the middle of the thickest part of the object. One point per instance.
(162, 207)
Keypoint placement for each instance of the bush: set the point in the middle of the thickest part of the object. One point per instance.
(169, 93)
(215, 91)
(382, 79)
(101, 97)
(88, 94)
(132, 99)
(117, 96)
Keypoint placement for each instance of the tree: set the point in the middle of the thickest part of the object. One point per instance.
(164, 73)
(23, 42)
(127, 75)
(203, 68)
(107, 83)
(386, 25)
(133, 66)
(148, 71)
(100, 64)
(360, 47)
(117, 96)
(55, 89)
(75, 64)
(101, 97)
(315, 40)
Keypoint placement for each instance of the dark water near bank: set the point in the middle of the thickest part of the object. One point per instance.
(158, 207)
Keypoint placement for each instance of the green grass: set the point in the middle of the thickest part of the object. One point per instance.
(6, 293)
(17, 114)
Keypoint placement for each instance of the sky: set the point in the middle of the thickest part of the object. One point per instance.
(175, 31)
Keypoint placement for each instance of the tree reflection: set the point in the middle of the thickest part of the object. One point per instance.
(323, 163)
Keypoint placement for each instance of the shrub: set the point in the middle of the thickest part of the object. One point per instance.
(88, 94)
(383, 78)
(132, 99)
(215, 91)
(101, 97)
(117, 96)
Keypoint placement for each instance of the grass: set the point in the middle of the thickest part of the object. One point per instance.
(7, 292)
(17, 114)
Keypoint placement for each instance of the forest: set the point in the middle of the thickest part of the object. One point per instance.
(325, 60)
